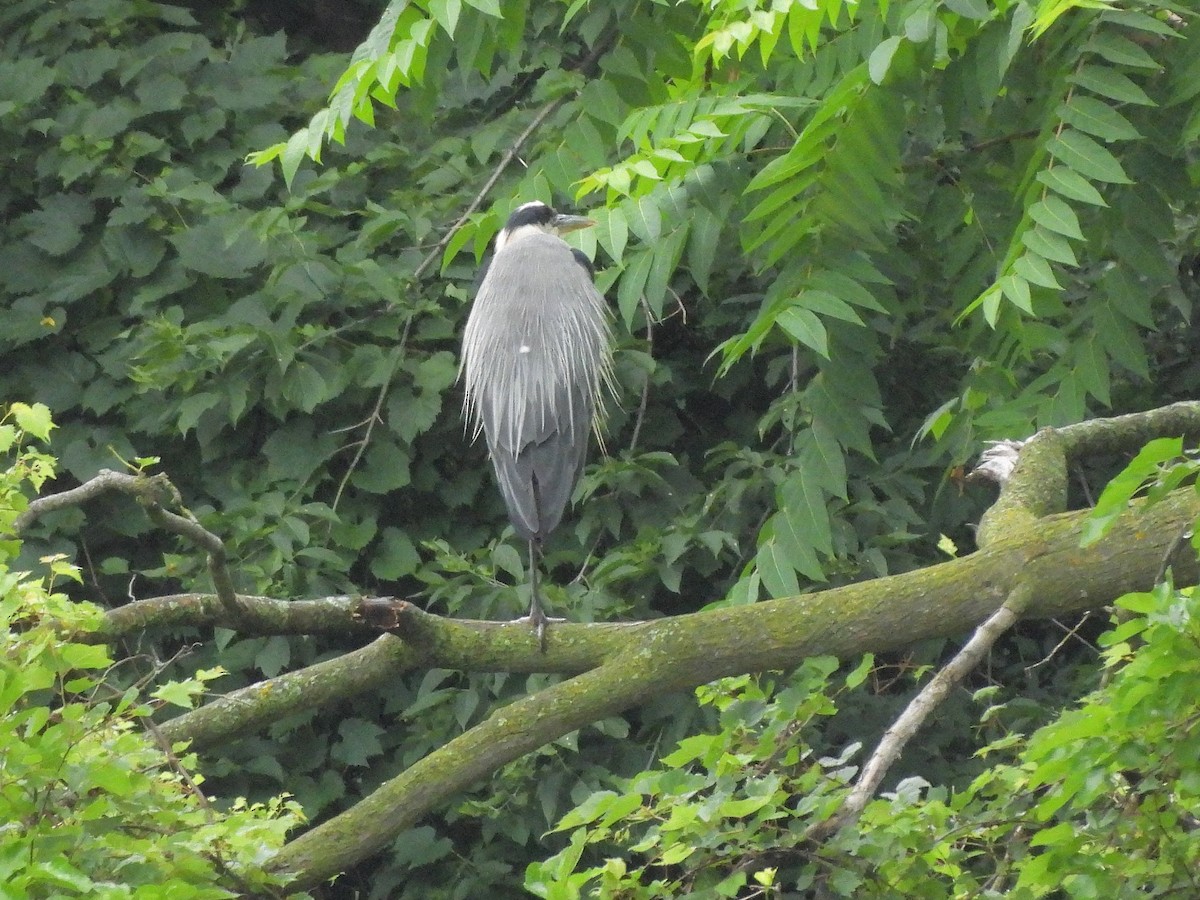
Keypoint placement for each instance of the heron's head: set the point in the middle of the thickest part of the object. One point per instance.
(537, 217)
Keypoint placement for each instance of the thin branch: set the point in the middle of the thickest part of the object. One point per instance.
(151, 491)
(370, 422)
(509, 155)
(931, 696)
(102, 483)
(218, 560)
(586, 65)
(641, 412)
(1071, 633)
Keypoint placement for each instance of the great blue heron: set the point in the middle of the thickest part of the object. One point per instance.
(536, 358)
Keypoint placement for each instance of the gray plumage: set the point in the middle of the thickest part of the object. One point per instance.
(536, 360)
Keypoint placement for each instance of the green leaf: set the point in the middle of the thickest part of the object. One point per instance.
(775, 568)
(827, 304)
(970, 9)
(805, 327)
(304, 387)
(1016, 289)
(506, 559)
(33, 419)
(1036, 270)
(85, 656)
(822, 457)
(1071, 185)
(487, 7)
(396, 556)
(632, 284)
(1054, 214)
(192, 407)
(446, 13)
(794, 542)
(860, 672)
(217, 248)
(1049, 245)
(803, 498)
(179, 693)
(58, 226)
(359, 742)
(612, 232)
(703, 239)
(293, 154)
(1079, 152)
(1141, 21)
(666, 258)
(645, 220)
(274, 656)
(1110, 83)
(1092, 370)
(457, 241)
(1120, 50)
(1098, 118)
(881, 58)
(1119, 491)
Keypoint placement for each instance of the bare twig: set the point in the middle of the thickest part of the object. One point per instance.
(361, 445)
(509, 155)
(585, 65)
(641, 413)
(1070, 633)
(906, 726)
(1182, 537)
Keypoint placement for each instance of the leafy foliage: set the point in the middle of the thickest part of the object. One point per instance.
(92, 805)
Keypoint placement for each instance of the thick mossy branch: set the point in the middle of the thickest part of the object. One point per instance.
(1036, 488)
(507, 734)
(321, 684)
(1043, 564)
(884, 614)
(1128, 433)
(1038, 485)
(328, 615)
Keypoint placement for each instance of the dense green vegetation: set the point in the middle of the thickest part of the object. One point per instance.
(92, 804)
(845, 245)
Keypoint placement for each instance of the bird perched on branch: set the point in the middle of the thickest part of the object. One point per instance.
(537, 356)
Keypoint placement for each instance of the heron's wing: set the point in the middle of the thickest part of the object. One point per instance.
(537, 481)
(535, 355)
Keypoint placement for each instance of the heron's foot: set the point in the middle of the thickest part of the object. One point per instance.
(539, 620)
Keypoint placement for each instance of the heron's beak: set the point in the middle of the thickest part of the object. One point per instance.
(563, 224)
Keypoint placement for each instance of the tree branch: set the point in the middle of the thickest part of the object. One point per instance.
(1032, 564)
(151, 491)
(1036, 487)
(328, 615)
(1042, 566)
(507, 734)
(322, 684)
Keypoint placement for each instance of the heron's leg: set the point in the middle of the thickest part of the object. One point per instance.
(537, 615)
